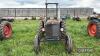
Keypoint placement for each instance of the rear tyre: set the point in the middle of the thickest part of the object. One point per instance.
(68, 44)
(36, 44)
(5, 30)
(94, 28)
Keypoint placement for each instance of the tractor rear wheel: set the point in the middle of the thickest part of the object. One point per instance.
(5, 30)
(68, 44)
(36, 44)
(94, 28)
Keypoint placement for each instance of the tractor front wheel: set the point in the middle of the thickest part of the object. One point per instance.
(68, 44)
(36, 44)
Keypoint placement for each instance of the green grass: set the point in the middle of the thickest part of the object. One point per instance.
(21, 43)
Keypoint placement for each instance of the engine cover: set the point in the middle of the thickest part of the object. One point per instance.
(52, 31)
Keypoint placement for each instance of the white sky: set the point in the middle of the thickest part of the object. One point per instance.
(40, 3)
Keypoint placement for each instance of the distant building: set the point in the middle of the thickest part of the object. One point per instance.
(37, 12)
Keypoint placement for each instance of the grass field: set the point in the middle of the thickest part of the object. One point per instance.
(21, 43)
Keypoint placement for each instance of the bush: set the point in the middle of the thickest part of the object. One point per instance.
(33, 18)
(26, 19)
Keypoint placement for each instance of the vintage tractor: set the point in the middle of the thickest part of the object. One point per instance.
(52, 29)
(94, 26)
(5, 29)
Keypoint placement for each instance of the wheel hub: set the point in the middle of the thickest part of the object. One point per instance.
(7, 31)
(92, 30)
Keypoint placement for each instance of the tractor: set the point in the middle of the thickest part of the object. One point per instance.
(5, 28)
(93, 27)
(52, 29)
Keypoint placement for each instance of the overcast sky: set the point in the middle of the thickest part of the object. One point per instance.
(40, 3)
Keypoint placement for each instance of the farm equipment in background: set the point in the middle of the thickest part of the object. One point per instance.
(92, 17)
(65, 17)
(94, 25)
(5, 28)
(10, 19)
(52, 29)
(76, 17)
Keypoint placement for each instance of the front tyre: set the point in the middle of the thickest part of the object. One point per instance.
(68, 44)
(36, 44)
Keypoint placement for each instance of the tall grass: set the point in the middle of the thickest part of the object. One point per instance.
(21, 43)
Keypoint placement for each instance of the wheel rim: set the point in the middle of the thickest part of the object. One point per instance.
(92, 29)
(7, 31)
